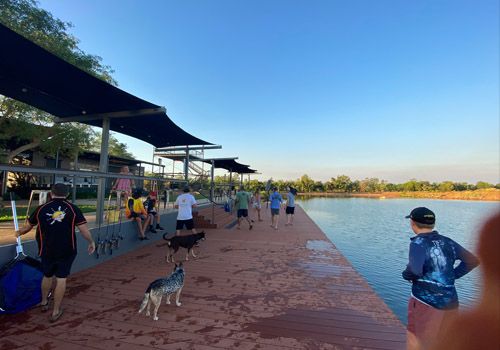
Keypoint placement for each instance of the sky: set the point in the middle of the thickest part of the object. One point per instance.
(391, 89)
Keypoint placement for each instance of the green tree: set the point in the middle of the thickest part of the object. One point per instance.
(116, 148)
(32, 127)
(482, 185)
(305, 184)
(446, 186)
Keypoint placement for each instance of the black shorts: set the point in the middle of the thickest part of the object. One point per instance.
(242, 212)
(290, 210)
(134, 215)
(59, 267)
(188, 223)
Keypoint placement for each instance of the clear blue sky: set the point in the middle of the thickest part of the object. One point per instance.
(390, 89)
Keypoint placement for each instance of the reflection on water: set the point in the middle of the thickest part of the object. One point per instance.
(374, 235)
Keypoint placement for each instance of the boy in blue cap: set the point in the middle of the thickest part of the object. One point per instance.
(431, 269)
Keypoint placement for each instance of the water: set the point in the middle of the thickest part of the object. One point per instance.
(374, 236)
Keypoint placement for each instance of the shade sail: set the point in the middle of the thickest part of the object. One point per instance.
(228, 164)
(231, 165)
(31, 74)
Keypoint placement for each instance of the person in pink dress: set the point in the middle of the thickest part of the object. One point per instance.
(123, 187)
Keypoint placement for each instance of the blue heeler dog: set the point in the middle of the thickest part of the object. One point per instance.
(164, 286)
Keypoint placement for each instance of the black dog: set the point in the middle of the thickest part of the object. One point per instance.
(187, 242)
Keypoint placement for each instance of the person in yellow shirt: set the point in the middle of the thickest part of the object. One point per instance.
(135, 210)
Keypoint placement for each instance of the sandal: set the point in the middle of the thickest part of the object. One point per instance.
(43, 307)
(54, 318)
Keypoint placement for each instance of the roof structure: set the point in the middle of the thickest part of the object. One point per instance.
(31, 74)
(229, 164)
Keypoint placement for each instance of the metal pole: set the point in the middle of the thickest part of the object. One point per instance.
(212, 190)
(103, 167)
(186, 164)
(56, 166)
(75, 166)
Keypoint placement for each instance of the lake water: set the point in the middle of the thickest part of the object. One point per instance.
(374, 236)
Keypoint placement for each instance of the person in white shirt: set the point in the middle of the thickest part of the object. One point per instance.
(185, 203)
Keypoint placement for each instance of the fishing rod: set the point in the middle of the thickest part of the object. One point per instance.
(119, 222)
(107, 242)
(99, 241)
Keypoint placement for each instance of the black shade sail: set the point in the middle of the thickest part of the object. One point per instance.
(31, 74)
(231, 165)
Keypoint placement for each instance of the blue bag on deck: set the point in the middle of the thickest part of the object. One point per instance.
(20, 285)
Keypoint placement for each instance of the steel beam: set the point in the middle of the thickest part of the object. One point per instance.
(121, 114)
(79, 173)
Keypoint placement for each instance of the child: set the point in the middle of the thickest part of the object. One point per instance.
(432, 269)
(123, 186)
(290, 205)
(276, 201)
(256, 203)
(150, 205)
(135, 211)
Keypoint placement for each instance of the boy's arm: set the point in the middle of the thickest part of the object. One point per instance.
(414, 269)
(467, 261)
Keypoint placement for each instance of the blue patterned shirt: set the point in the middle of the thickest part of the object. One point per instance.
(431, 269)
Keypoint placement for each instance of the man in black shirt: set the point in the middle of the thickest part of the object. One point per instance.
(55, 234)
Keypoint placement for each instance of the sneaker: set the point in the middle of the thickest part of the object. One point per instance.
(250, 227)
(152, 230)
(159, 228)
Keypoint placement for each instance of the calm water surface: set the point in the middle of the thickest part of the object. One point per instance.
(374, 235)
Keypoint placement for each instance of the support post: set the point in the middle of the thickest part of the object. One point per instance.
(73, 192)
(212, 185)
(186, 164)
(103, 167)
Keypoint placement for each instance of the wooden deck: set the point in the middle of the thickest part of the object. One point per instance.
(258, 289)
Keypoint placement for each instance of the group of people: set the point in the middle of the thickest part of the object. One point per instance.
(431, 269)
(145, 214)
(245, 199)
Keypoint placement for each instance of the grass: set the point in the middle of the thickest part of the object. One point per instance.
(6, 213)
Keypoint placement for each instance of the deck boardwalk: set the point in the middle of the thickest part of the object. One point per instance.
(259, 289)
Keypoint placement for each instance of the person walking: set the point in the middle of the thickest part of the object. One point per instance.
(242, 201)
(290, 205)
(431, 269)
(276, 200)
(185, 203)
(57, 246)
(257, 203)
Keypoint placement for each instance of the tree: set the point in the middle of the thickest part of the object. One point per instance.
(33, 127)
(116, 148)
(482, 184)
(446, 186)
(305, 184)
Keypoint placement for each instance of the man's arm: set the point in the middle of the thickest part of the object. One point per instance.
(84, 230)
(414, 269)
(23, 230)
(467, 261)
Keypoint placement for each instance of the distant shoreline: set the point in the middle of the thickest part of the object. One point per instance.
(490, 194)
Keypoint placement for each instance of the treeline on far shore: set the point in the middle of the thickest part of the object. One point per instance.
(343, 184)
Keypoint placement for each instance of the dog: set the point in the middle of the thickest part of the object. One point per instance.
(187, 242)
(163, 286)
